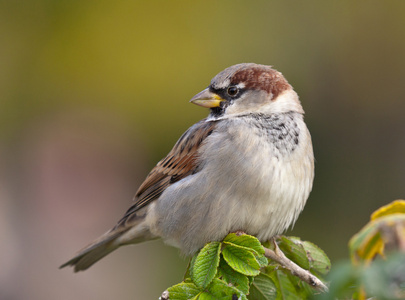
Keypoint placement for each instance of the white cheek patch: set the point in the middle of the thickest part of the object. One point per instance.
(240, 106)
(259, 103)
(286, 101)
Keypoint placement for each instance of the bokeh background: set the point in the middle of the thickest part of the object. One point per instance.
(94, 93)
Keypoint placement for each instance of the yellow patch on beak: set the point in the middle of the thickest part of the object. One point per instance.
(207, 99)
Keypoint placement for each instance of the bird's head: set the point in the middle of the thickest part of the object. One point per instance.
(248, 88)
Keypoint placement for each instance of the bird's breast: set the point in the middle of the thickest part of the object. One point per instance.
(261, 168)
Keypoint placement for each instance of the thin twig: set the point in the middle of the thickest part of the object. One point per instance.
(304, 275)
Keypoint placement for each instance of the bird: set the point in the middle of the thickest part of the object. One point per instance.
(248, 166)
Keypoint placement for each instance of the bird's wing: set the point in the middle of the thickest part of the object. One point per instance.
(178, 164)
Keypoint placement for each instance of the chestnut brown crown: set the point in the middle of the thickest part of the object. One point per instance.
(253, 77)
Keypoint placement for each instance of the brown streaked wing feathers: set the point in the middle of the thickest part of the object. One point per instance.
(180, 162)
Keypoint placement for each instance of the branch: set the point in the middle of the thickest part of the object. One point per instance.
(278, 256)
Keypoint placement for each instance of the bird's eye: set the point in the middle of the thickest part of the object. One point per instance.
(232, 90)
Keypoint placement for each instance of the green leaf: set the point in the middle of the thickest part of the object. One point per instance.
(230, 276)
(285, 288)
(206, 296)
(294, 250)
(288, 283)
(305, 254)
(245, 240)
(189, 271)
(262, 288)
(262, 260)
(301, 287)
(218, 289)
(206, 263)
(319, 262)
(241, 259)
(183, 291)
(250, 243)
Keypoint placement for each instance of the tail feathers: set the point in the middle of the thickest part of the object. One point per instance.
(122, 234)
(93, 253)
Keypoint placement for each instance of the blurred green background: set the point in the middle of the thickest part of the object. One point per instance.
(94, 93)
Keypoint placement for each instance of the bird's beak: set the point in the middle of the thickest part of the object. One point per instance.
(207, 99)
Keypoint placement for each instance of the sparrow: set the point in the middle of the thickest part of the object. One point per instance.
(248, 166)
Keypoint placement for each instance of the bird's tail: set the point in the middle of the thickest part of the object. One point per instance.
(94, 252)
(118, 236)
